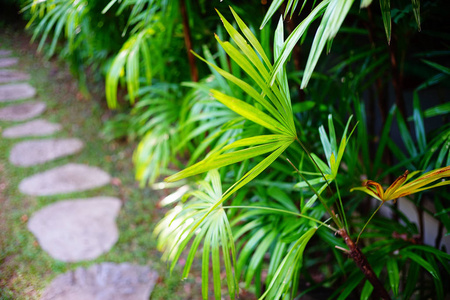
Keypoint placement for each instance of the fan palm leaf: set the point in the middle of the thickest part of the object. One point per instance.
(179, 226)
(278, 119)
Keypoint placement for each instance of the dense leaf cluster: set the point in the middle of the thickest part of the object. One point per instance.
(288, 106)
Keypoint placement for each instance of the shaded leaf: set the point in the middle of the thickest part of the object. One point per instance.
(386, 14)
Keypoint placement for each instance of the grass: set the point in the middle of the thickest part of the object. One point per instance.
(25, 269)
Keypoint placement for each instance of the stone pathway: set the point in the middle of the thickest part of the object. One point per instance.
(65, 179)
(4, 52)
(31, 153)
(86, 228)
(71, 230)
(32, 128)
(8, 62)
(17, 91)
(105, 281)
(12, 76)
(22, 112)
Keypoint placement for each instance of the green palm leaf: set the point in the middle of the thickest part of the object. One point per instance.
(416, 10)
(177, 229)
(278, 119)
(283, 278)
(129, 60)
(332, 20)
(365, 3)
(333, 154)
(386, 14)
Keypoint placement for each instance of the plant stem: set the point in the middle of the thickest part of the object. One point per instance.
(330, 212)
(341, 205)
(188, 41)
(361, 261)
(314, 162)
(357, 240)
(284, 212)
(397, 78)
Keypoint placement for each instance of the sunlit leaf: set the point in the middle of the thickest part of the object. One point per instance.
(386, 14)
(177, 229)
(271, 11)
(416, 10)
(365, 3)
(282, 278)
(332, 20)
(404, 186)
(295, 36)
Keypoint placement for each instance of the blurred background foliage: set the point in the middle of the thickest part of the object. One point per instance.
(384, 62)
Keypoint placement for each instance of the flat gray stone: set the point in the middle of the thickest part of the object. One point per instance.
(22, 111)
(37, 127)
(5, 52)
(11, 76)
(31, 153)
(18, 91)
(8, 62)
(65, 179)
(105, 281)
(78, 229)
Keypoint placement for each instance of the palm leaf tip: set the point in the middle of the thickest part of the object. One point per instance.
(404, 186)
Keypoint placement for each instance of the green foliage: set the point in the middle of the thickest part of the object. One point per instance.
(147, 48)
(89, 36)
(179, 226)
(263, 237)
(262, 163)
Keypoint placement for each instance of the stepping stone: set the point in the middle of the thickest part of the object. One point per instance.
(105, 281)
(64, 179)
(22, 112)
(16, 92)
(30, 153)
(11, 75)
(78, 229)
(37, 127)
(5, 52)
(8, 62)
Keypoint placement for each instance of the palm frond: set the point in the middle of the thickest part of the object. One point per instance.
(155, 119)
(127, 63)
(55, 16)
(333, 154)
(278, 120)
(283, 280)
(386, 14)
(201, 219)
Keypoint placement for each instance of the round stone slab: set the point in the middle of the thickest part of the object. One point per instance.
(65, 179)
(22, 112)
(30, 153)
(77, 230)
(11, 75)
(5, 52)
(8, 62)
(37, 127)
(16, 91)
(105, 281)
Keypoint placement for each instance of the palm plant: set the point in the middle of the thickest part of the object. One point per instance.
(74, 24)
(271, 109)
(150, 36)
(276, 189)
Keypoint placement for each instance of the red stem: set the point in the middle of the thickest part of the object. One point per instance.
(361, 261)
(188, 41)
